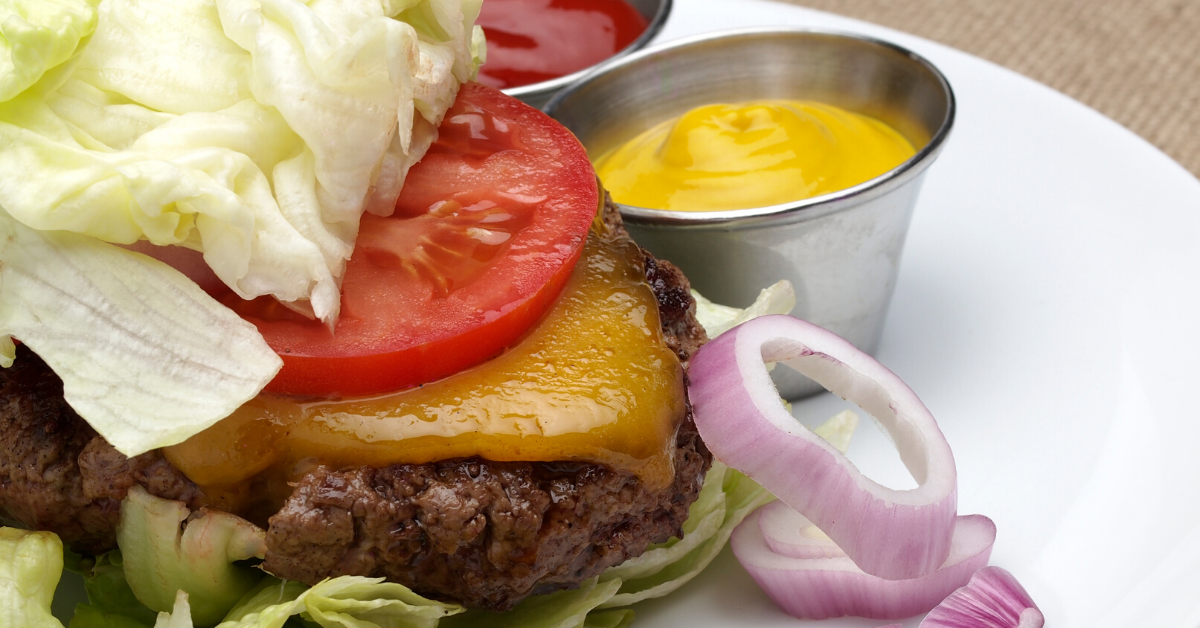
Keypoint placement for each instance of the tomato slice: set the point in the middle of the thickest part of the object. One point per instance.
(486, 232)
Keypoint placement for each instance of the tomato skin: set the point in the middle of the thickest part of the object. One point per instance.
(486, 232)
(431, 361)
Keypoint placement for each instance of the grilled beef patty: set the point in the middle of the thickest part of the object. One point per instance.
(486, 534)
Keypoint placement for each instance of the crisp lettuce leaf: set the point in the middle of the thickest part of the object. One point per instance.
(180, 615)
(204, 124)
(110, 598)
(269, 592)
(839, 429)
(165, 550)
(30, 566)
(665, 568)
(145, 355)
(716, 319)
(620, 618)
(8, 351)
(345, 602)
(37, 36)
(209, 98)
(88, 616)
(561, 609)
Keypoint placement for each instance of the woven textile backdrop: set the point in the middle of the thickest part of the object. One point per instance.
(1136, 61)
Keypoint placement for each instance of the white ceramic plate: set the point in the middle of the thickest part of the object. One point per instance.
(1046, 312)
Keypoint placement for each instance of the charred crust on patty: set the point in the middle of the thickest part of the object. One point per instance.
(41, 486)
(483, 533)
(486, 534)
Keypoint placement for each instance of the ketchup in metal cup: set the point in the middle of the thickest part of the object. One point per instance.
(530, 41)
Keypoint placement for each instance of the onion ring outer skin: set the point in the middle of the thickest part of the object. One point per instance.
(822, 588)
(992, 599)
(891, 534)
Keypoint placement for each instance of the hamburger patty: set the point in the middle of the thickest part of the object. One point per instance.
(483, 533)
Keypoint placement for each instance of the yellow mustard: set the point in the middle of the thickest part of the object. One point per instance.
(761, 153)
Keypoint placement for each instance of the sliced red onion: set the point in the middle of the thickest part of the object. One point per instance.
(820, 588)
(992, 599)
(789, 533)
(892, 534)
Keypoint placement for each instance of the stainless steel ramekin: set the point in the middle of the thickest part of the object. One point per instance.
(841, 251)
(655, 12)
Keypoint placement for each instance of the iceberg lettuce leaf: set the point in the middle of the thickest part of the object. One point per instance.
(838, 429)
(269, 592)
(180, 615)
(620, 618)
(109, 594)
(37, 36)
(145, 355)
(561, 609)
(716, 319)
(30, 566)
(728, 497)
(88, 616)
(166, 550)
(666, 567)
(344, 602)
(274, 73)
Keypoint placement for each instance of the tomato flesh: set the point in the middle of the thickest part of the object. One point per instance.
(485, 234)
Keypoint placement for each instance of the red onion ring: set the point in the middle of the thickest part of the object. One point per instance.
(992, 599)
(892, 534)
(789, 533)
(820, 588)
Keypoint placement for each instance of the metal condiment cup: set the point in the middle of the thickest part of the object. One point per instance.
(841, 251)
(654, 11)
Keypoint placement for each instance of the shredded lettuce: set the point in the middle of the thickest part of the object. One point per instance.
(204, 124)
(716, 319)
(30, 565)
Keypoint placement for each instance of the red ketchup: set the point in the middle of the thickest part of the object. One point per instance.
(530, 41)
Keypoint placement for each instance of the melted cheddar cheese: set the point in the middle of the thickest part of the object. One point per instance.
(593, 382)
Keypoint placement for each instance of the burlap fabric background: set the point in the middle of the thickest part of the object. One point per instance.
(1136, 61)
